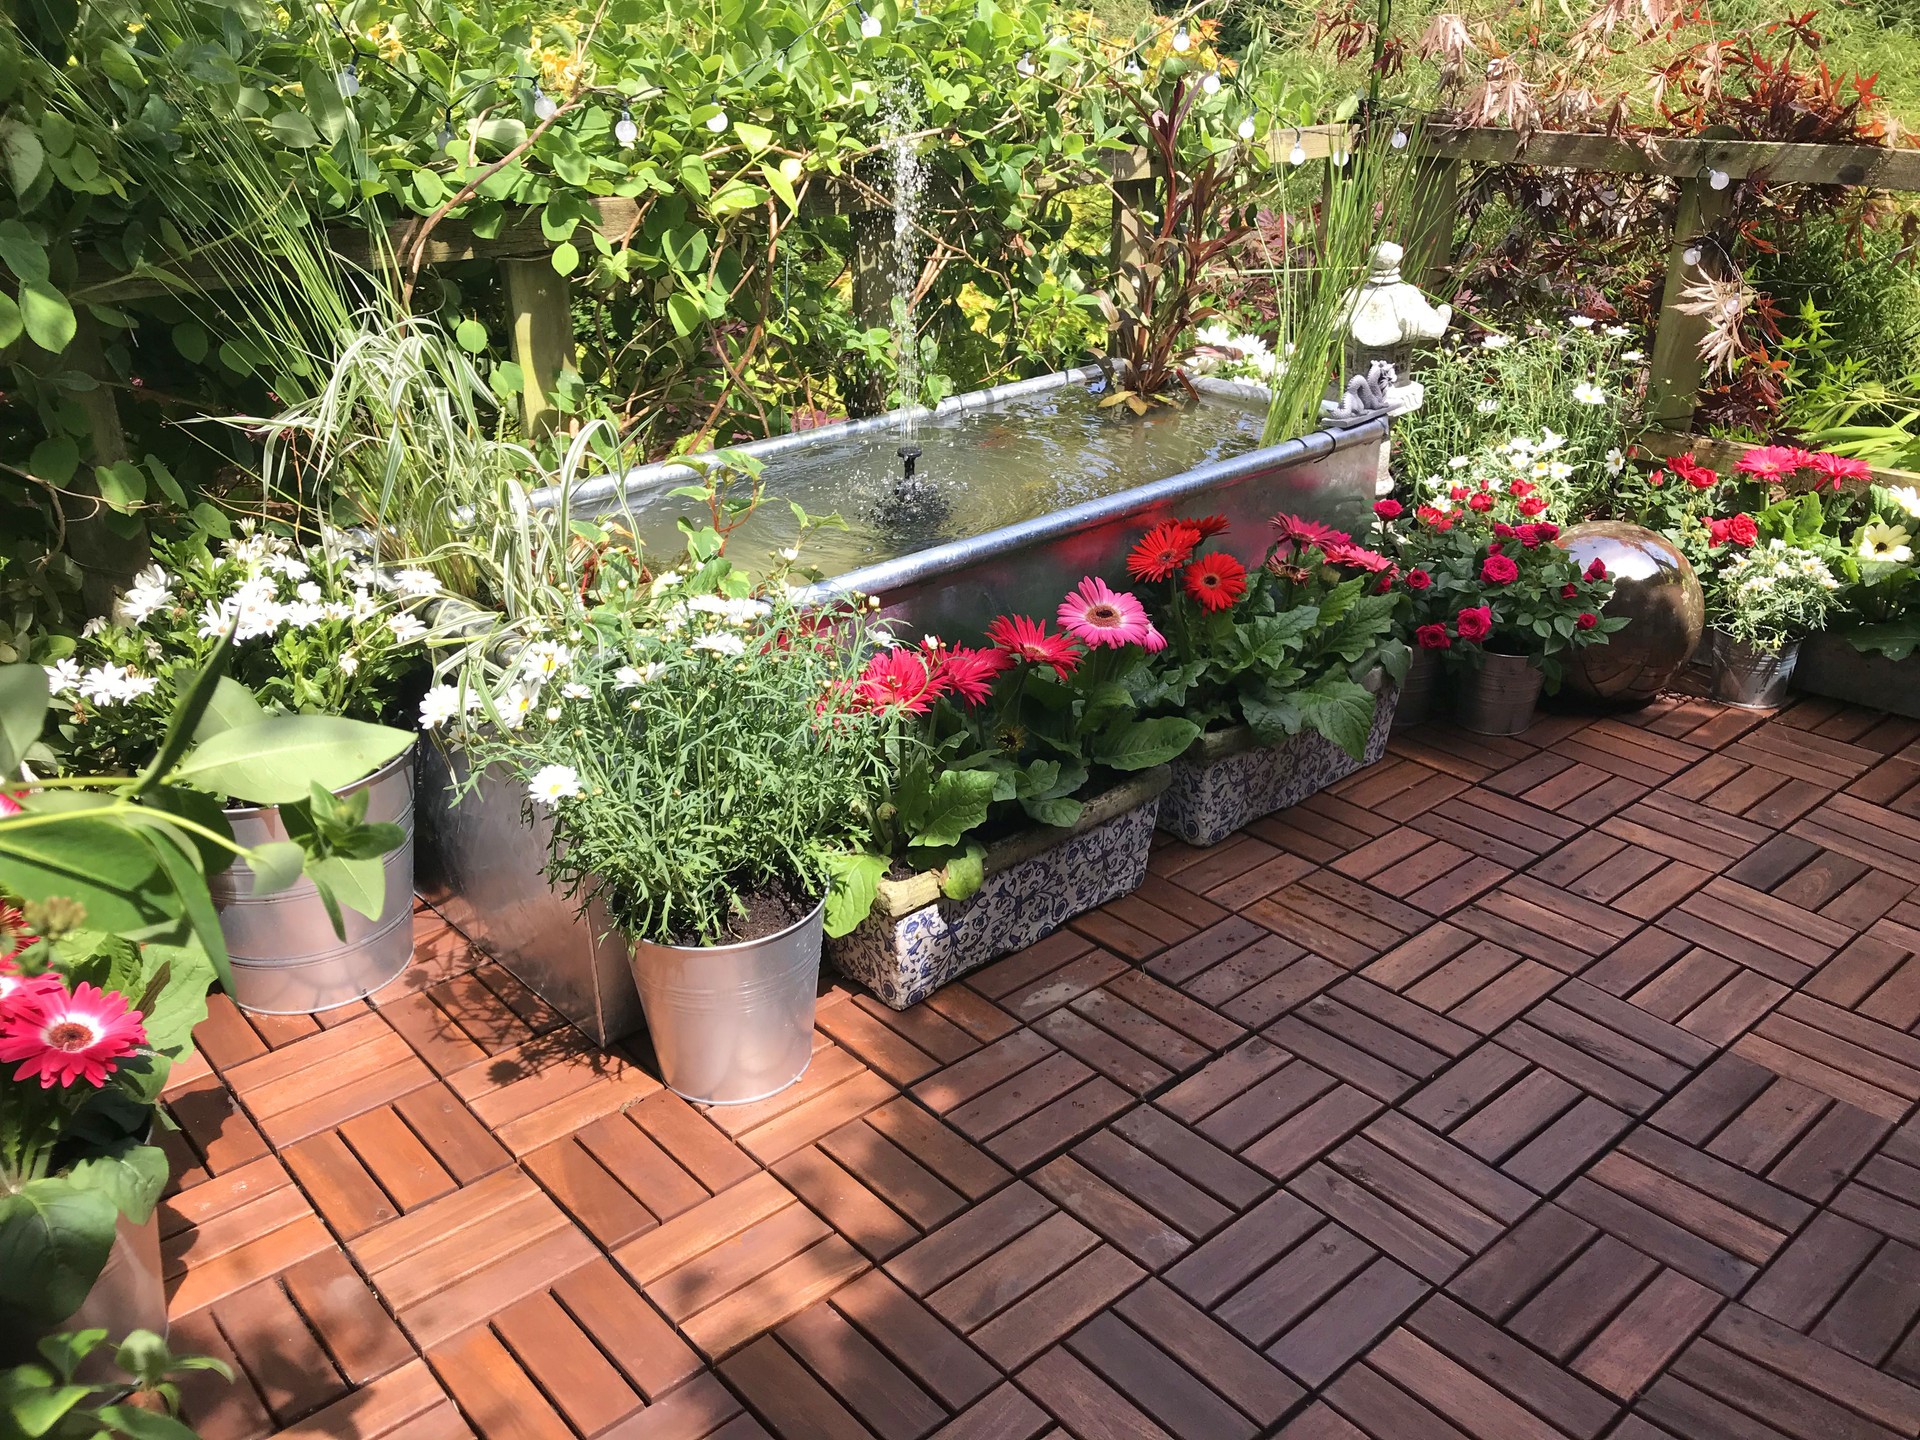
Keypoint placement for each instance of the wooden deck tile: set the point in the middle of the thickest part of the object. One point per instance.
(470, 1017)
(235, 1231)
(548, 1087)
(327, 1078)
(1336, 918)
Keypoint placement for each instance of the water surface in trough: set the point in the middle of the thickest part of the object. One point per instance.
(979, 469)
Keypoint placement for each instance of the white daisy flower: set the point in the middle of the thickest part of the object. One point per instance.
(1633, 357)
(545, 659)
(439, 705)
(93, 627)
(302, 615)
(308, 591)
(1495, 342)
(1615, 461)
(1907, 497)
(62, 676)
(1487, 406)
(1580, 322)
(406, 628)
(515, 706)
(1587, 393)
(1458, 462)
(574, 690)
(628, 678)
(554, 783)
(1549, 441)
(415, 582)
(289, 566)
(731, 645)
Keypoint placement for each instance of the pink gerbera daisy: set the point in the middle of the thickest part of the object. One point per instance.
(971, 672)
(65, 1037)
(1773, 462)
(1303, 532)
(14, 937)
(1838, 468)
(1094, 614)
(17, 989)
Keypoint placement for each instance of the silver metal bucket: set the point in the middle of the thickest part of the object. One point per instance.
(1750, 678)
(1498, 697)
(1423, 693)
(130, 1294)
(286, 958)
(732, 1023)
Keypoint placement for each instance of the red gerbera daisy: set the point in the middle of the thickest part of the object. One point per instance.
(1303, 532)
(1357, 557)
(1162, 551)
(971, 672)
(1207, 526)
(1215, 581)
(1029, 640)
(14, 937)
(1768, 462)
(899, 679)
(65, 1037)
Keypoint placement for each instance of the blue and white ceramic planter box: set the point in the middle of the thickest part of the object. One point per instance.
(916, 940)
(1228, 780)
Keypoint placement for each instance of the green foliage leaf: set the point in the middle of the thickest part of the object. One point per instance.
(48, 318)
(1142, 744)
(1060, 810)
(566, 258)
(275, 865)
(957, 803)
(131, 1176)
(231, 706)
(472, 336)
(21, 253)
(281, 758)
(12, 326)
(190, 339)
(55, 459)
(123, 485)
(54, 1239)
(962, 876)
(21, 154)
(1341, 710)
(360, 885)
(23, 710)
(856, 881)
(98, 862)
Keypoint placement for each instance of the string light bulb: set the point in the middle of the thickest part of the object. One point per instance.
(1297, 155)
(1399, 138)
(1690, 255)
(624, 130)
(1245, 128)
(1133, 69)
(1182, 40)
(1025, 65)
(349, 79)
(1719, 179)
(1211, 84)
(544, 107)
(869, 24)
(717, 122)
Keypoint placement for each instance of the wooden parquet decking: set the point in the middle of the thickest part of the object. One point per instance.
(1553, 1088)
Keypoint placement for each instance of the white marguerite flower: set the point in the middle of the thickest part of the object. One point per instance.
(1559, 470)
(1217, 335)
(439, 705)
(415, 582)
(665, 580)
(62, 676)
(627, 677)
(349, 664)
(406, 628)
(289, 566)
(1550, 440)
(514, 706)
(552, 712)
(302, 614)
(1615, 461)
(1617, 331)
(308, 591)
(574, 690)
(1495, 342)
(554, 783)
(93, 627)
(1587, 393)
(114, 684)
(1458, 462)
(544, 659)
(1487, 406)
(721, 644)
(1633, 357)
(146, 596)
(790, 552)
(1907, 497)
(1580, 322)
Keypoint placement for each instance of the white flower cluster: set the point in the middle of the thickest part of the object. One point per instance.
(1236, 356)
(101, 685)
(1748, 578)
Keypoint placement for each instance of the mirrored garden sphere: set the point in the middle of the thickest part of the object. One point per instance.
(1656, 590)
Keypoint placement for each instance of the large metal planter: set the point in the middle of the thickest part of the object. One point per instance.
(916, 940)
(1749, 677)
(1228, 780)
(1829, 665)
(732, 1023)
(287, 960)
(130, 1294)
(480, 865)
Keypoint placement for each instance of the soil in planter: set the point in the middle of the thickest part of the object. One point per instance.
(769, 910)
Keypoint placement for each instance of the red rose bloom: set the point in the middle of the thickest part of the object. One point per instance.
(1432, 637)
(1499, 570)
(1418, 580)
(1437, 521)
(1521, 489)
(1700, 477)
(1533, 505)
(1474, 624)
(1567, 592)
(1717, 531)
(1546, 529)
(1458, 492)
(1388, 509)
(1743, 530)
(1597, 570)
(1215, 581)
(1482, 503)
(1657, 479)
(1162, 551)
(1529, 536)
(1502, 529)
(1585, 620)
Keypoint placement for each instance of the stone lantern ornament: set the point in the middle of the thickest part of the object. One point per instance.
(1387, 318)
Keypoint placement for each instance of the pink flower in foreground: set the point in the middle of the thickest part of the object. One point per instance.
(1097, 615)
(17, 989)
(65, 1037)
(1029, 640)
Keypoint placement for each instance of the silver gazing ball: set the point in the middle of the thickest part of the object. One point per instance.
(1654, 588)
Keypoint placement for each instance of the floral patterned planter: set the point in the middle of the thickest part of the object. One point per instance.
(916, 940)
(1829, 665)
(1227, 780)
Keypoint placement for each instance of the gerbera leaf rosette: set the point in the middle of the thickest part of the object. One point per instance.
(1282, 645)
(981, 741)
(1482, 571)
